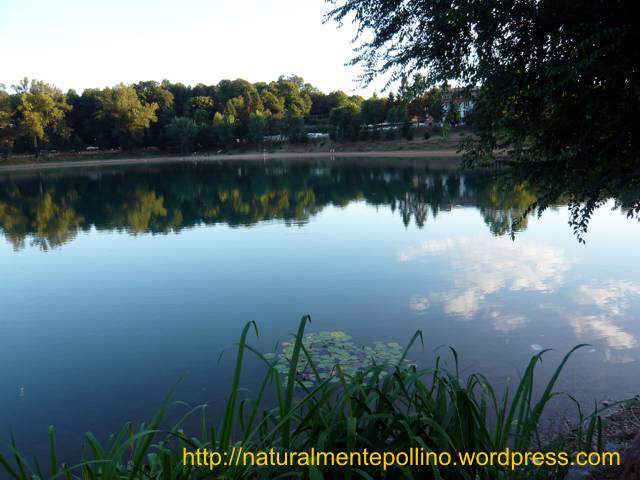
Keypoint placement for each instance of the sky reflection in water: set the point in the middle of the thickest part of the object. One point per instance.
(116, 285)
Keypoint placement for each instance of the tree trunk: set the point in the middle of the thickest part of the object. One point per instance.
(35, 146)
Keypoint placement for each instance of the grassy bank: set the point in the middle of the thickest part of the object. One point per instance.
(383, 407)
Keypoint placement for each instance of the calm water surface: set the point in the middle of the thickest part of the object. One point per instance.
(117, 283)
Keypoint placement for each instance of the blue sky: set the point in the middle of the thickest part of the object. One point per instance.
(88, 43)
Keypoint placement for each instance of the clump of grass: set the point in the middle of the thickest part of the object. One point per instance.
(380, 408)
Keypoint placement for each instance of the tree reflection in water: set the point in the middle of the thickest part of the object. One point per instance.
(49, 209)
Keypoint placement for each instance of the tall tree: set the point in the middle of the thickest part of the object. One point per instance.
(200, 108)
(453, 116)
(374, 110)
(294, 127)
(128, 115)
(273, 104)
(40, 111)
(88, 128)
(182, 131)
(153, 92)
(181, 93)
(222, 130)
(257, 128)
(345, 122)
(7, 131)
(297, 100)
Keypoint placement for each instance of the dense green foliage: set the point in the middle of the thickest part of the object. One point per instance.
(38, 114)
(51, 209)
(384, 407)
(174, 116)
(556, 84)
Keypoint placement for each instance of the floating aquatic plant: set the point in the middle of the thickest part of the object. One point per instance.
(328, 349)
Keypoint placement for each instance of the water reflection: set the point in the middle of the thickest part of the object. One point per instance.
(599, 326)
(49, 209)
(181, 256)
(614, 297)
(506, 323)
(483, 276)
(481, 267)
(610, 305)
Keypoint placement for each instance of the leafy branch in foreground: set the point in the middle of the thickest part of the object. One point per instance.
(554, 84)
(383, 407)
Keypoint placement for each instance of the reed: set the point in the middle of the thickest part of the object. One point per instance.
(382, 408)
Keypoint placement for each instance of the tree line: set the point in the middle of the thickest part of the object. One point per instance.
(36, 116)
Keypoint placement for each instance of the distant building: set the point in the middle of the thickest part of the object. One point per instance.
(462, 98)
(274, 138)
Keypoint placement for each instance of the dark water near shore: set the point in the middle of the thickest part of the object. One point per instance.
(118, 282)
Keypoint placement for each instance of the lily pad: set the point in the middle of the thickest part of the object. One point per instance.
(329, 349)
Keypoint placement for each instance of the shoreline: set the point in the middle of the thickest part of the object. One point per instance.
(449, 154)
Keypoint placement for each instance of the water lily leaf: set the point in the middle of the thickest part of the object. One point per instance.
(328, 349)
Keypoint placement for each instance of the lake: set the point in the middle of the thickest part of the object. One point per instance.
(119, 282)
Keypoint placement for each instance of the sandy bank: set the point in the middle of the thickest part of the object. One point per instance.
(449, 154)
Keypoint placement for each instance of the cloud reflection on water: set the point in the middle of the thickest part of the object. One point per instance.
(613, 297)
(479, 268)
